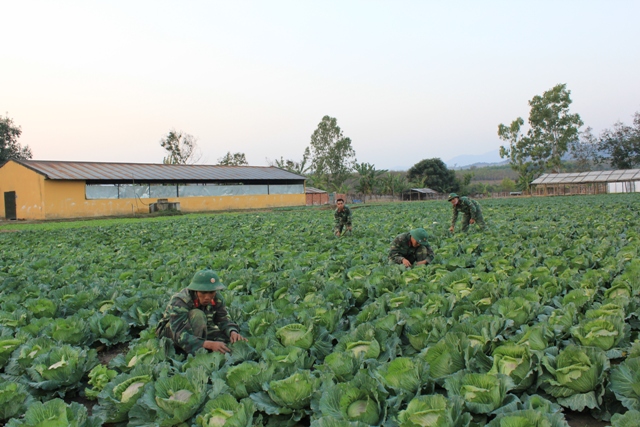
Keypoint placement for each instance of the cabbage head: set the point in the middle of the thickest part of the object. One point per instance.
(434, 410)
(358, 400)
(527, 418)
(7, 345)
(14, 399)
(23, 356)
(343, 364)
(518, 309)
(368, 349)
(226, 411)
(447, 356)
(172, 400)
(55, 413)
(109, 329)
(625, 383)
(294, 392)
(247, 377)
(61, 369)
(260, 322)
(482, 393)
(603, 333)
(574, 375)
(287, 360)
(424, 331)
(296, 334)
(72, 330)
(517, 362)
(118, 396)
(405, 374)
(41, 307)
(628, 419)
(99, 377)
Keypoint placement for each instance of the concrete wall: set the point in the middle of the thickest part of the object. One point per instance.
(29, 187)
(38, 198)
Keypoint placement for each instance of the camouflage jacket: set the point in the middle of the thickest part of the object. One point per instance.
(343, 217)
(401, 248)
(467, 206)
(177, 317)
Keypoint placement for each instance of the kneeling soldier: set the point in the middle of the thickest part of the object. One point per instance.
(196, 317)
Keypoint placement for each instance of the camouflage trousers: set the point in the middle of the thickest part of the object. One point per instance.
(479, 220)
(199, 328)
(338, 228)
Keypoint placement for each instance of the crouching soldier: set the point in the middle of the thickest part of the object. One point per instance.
(196, 317)
(411, 248)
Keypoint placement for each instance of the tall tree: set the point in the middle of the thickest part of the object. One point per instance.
(551, 129)
(235, 159)
(301, 167)
(331, 153)
(368, 178)
(181, 147)
(621, 144)
(434, 174)
(10, 148)
(584, 150)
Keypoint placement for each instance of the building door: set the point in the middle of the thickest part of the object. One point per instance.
(10, 205)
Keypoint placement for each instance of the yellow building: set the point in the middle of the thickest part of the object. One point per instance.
(33, 189)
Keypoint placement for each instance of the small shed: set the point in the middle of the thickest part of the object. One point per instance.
(316, 196)
(598, 182)
(420, 194)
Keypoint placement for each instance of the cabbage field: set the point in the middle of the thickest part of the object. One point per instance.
(517, 326)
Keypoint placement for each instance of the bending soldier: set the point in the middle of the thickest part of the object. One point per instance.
(196, 317)
(411, 248)
(471, 212)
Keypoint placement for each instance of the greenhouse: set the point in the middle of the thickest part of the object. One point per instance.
(597, 182)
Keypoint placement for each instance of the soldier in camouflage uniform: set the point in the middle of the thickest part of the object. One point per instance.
(342, 216)
(196, 317)
(411, 248)
(472, 214)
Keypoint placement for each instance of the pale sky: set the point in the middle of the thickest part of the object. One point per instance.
(406, 80)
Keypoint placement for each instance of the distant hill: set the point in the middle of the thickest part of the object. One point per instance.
(465, 161)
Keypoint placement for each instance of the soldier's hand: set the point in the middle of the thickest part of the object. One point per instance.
(472, 221)
(216, 346)
(235, 337)
(406, 262)
(451, 229)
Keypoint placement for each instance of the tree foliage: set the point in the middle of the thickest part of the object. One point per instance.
(369, 178)
(10, 148)
(551, 129)
(332, 157)
(235, 159)
(301, 167)
(434, 174)
(181, 147)
(394, 183)
(584, 150)
(621, 144)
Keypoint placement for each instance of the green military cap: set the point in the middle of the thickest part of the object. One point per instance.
(452, 196)
(420, 234)
(206, 281)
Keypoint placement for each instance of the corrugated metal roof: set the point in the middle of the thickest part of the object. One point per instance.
(589, 177)
(424, 190)
(313, 190)
(96, 171)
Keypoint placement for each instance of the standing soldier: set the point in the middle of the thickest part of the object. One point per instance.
(196, 317)
(411, 248)
(342, 216)
(472, 214)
